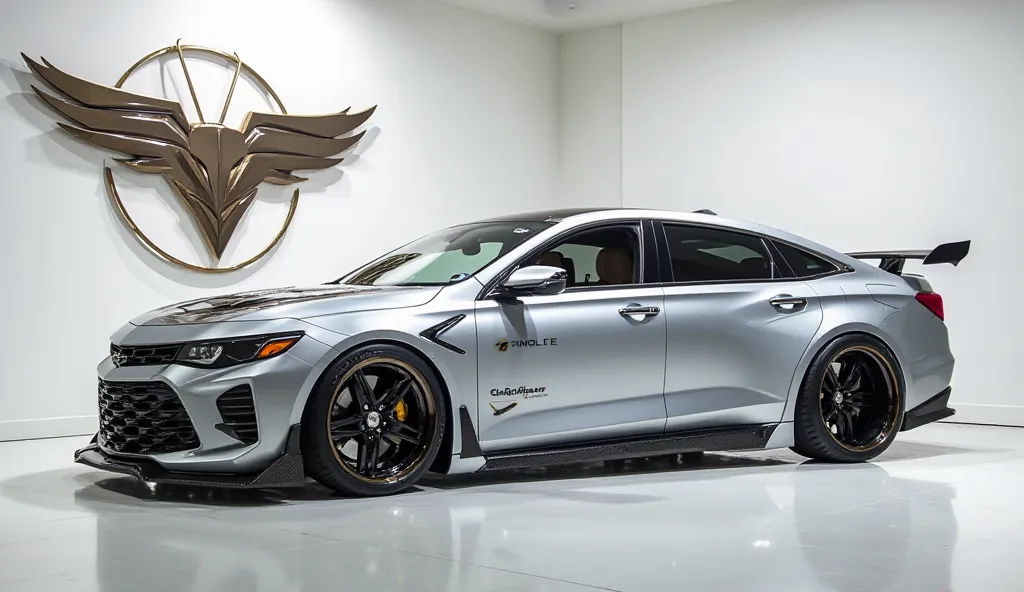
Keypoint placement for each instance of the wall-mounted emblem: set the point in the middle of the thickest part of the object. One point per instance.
(213, 169)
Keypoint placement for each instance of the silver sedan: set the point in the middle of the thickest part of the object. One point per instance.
(534, 339)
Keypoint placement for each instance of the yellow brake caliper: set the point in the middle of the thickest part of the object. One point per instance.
(400, 411)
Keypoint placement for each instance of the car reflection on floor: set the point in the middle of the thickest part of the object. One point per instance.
(721, 521)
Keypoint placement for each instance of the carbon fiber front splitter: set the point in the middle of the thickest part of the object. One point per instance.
(286, 471)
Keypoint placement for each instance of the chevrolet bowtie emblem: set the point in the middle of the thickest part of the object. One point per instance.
(213, 169)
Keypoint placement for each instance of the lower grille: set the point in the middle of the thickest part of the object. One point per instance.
(237, 409)
(144, 418)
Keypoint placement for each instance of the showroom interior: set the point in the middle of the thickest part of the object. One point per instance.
(863, 125)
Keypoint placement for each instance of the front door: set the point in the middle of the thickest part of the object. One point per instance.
(578, 365)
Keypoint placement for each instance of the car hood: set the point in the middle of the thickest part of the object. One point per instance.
(292, 302)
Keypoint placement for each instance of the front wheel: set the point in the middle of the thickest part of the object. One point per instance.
(374, 424)
(851, 404)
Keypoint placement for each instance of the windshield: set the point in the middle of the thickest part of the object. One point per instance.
(445, 257)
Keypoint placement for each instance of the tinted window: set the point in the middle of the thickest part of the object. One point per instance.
(706, 254)
(444, 257)
(803, 263)
(607, 256)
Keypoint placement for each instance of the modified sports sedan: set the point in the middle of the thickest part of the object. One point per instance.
(534, 339)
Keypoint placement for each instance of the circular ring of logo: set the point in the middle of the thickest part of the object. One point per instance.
(112, 187)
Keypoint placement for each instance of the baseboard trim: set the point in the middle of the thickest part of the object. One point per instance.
(50, 427)
(1001, 415)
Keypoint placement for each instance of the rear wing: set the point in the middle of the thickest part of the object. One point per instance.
(892, 261)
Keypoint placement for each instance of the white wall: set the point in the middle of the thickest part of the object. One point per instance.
(860, 124)
(466, 127)
(590, 118)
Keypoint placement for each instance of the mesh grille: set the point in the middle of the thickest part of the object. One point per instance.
(143, 418)
(239, 413)
(143, 355)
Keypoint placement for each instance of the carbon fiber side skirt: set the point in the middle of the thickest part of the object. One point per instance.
(749, 437)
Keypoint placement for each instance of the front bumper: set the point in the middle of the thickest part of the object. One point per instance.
(286, 471)
(177, 419)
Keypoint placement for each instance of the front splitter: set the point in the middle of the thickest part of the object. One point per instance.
(286, 471)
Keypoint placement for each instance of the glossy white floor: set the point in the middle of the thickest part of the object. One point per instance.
(941, 510)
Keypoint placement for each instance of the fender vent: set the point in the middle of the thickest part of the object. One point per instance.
(238, 411)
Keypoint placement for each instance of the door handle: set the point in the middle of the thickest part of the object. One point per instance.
(636, 311)
(788, 303)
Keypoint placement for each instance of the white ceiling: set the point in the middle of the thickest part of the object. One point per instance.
(574, 15)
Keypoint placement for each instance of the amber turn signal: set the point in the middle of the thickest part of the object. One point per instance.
(272, 348)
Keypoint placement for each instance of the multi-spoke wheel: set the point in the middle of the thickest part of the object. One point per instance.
(374, 424)
(851, 404)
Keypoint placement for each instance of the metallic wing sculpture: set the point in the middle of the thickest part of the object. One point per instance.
(214, 169)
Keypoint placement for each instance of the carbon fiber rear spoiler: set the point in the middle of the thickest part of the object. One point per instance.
(892, 261)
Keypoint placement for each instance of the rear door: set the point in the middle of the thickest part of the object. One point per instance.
(736, 327)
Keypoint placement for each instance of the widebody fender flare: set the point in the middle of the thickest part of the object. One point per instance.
(828, 335)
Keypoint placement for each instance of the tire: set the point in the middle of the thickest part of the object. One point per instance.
(375, 422)
(848, 415)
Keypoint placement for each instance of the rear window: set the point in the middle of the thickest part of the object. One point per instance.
(802, 263)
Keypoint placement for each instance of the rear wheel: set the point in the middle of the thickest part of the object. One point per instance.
(850, 406)
(375, 423)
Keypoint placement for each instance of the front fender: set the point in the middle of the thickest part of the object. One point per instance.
(456, 371)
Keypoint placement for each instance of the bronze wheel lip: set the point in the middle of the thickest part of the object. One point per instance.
(424, 392)
(895, 397)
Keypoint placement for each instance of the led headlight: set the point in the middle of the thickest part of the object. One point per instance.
(229, 352)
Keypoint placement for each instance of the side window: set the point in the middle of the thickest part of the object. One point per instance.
(707, 254)
(803, 263)
(608, 256)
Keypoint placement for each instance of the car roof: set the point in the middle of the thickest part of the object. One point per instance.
(611, 213)
(705, 217)
(548, 215)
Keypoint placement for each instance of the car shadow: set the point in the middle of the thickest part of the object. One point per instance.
(675, 463)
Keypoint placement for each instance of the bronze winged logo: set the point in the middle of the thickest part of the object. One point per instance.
(213, 169)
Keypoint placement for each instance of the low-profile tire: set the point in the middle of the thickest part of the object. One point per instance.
(375, 422)
(851, 403)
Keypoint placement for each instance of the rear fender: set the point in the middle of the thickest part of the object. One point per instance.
(842, 314)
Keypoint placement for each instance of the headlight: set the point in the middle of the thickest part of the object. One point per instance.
(229, 352)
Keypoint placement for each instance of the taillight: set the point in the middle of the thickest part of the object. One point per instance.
(932, 302)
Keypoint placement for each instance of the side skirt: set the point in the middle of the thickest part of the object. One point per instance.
(930, 411)
(749, 437)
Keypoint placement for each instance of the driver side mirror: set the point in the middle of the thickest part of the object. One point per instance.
(534, 280)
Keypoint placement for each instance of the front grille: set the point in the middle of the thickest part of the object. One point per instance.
(143, 355)
(239, 413)
(143, 418)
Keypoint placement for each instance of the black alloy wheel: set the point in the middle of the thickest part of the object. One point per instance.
(859, 399)
(380, 419)
(850, 407)
(376, 424)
